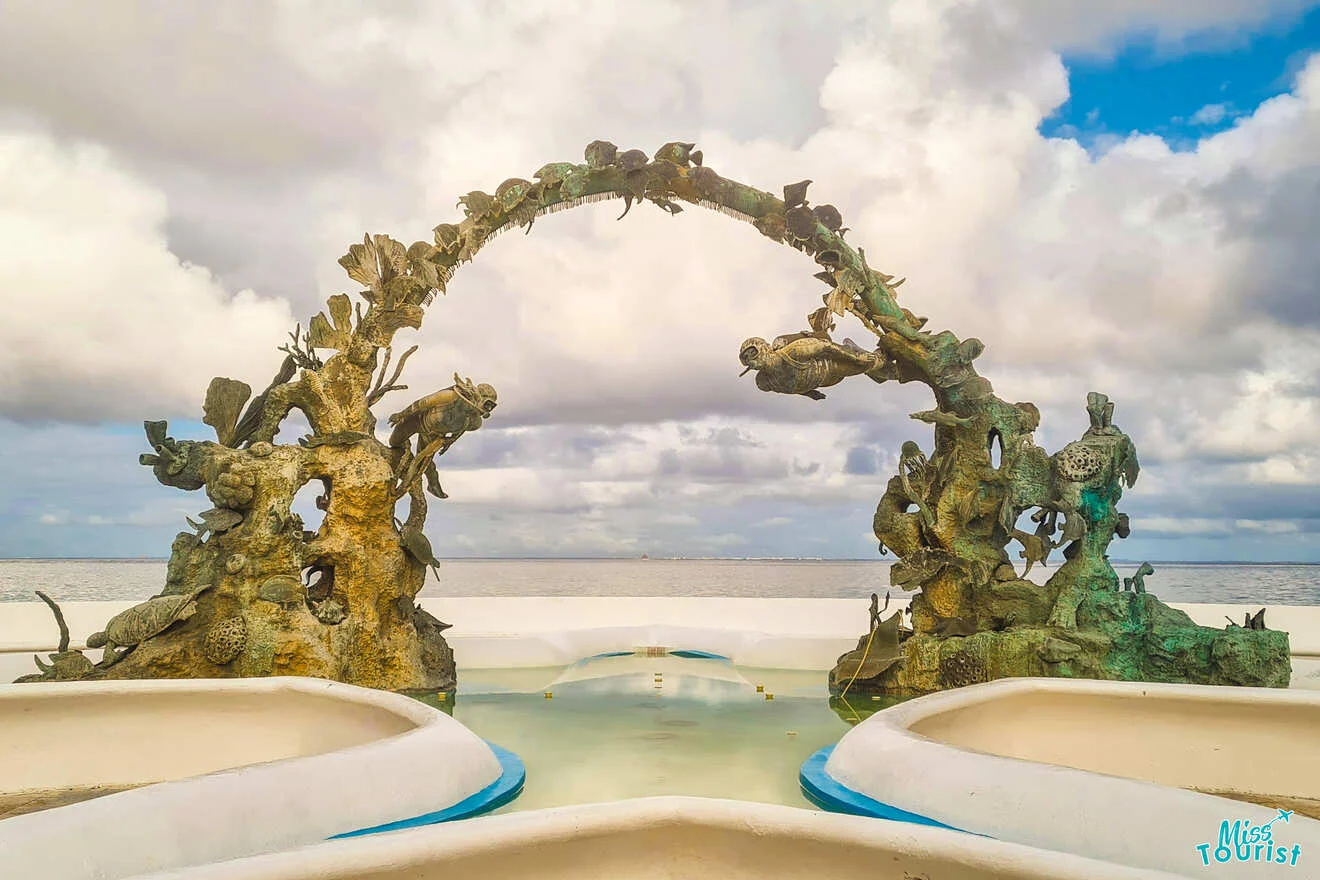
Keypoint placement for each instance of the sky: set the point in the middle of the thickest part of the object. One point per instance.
(1119, 197)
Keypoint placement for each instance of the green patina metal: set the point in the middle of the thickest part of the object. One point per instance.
(1096, 507)
(949, 515)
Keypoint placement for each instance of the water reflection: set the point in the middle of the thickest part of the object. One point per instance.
(702, 679)
(855, 710)
(637, 726)
(442, 700)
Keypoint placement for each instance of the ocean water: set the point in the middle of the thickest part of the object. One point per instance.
(81, 579)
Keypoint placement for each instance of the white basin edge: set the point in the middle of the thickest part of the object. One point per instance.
(1049, 806)
(256, 808)
(491, 834)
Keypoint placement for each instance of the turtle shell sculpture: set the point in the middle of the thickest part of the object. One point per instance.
(64, 665)
(284, 590)
(418, 547)
(130, 628)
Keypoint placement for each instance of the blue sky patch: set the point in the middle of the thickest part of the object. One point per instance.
(1182, 97)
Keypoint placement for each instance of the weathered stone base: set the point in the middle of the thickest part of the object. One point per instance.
(1119, 637)
(405, 655)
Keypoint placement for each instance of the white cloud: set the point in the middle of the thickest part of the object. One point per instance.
(1179, 282)
(1209, 527)
(1159, 525)
(102, 320)
(695, 463)
(1210, 114)
(1269, 527)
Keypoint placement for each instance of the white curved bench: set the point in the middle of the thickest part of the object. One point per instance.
(229, 767)
(1102, 769)
(669, 837)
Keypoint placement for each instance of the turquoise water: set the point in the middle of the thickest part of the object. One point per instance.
(633, 726)
(1173, 582)
(612, 730)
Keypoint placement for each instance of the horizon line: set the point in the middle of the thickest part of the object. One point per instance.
(886, 561)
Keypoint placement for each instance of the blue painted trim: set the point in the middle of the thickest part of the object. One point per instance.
(510, 784)
(825, 792)
(697, 655)
(691, 654)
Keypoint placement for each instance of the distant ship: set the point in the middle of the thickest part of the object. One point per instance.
(644, 556)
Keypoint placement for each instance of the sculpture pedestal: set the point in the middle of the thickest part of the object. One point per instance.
(1118, 637)
(409, 654)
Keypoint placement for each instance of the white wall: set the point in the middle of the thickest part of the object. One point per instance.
(555, 631)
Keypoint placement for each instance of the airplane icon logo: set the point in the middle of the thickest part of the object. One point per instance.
(1285, 815)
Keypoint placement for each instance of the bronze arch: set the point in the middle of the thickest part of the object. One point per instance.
(235, 603)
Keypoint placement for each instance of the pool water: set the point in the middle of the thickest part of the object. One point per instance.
(633, 726)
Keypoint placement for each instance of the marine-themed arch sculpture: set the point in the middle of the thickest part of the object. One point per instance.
(251, 592)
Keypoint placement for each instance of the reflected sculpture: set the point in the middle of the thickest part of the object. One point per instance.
(272, 598)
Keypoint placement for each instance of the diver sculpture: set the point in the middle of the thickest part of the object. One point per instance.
(437, 420)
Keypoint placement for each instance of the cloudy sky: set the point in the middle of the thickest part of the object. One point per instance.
(1122, 197)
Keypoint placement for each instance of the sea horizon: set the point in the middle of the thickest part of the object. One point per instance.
(124, 578)
(883, 560)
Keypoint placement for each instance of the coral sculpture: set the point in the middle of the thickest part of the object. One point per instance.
(252, 593)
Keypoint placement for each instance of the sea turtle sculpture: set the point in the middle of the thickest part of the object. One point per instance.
(284, 590)
(217, 520)
(65, 665)
(130, 628)
(418, 547)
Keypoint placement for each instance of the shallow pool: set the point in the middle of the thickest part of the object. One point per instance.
(633, 726)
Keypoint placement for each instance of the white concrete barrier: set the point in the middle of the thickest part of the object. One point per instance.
(26, 627)
(505, 632)
(548, 630)
(1102, 769)
(556, 631)
(653, 838)
(286, 762)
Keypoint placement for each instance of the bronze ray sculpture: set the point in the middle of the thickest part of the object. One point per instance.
(948, 515)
